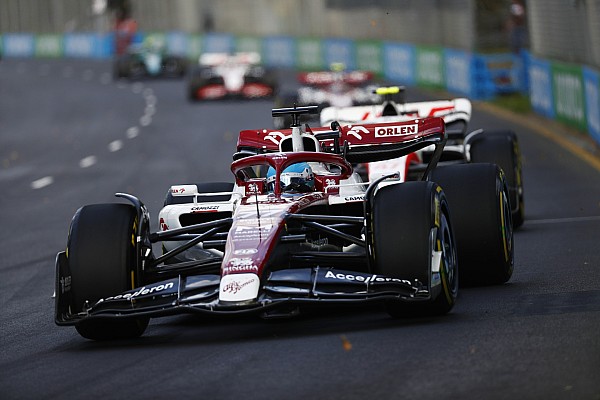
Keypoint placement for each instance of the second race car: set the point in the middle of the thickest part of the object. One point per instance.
(496, 146)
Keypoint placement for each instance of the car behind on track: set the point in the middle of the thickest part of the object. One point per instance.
(231, 76)
(496, 146)
(149, 60)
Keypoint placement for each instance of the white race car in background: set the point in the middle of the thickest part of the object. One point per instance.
(223, 75)
(499, 147)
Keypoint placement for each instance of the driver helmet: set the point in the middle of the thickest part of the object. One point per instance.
(297, 178)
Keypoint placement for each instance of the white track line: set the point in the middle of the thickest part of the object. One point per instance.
(562, 220)
(146, 120)
(42, 182)
(115, 145)
(88, 161)
(132, 132)
(150, 110)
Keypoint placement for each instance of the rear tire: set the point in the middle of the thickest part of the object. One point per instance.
(481, 219)
(410, 223)
(502, 148)
(102, 261)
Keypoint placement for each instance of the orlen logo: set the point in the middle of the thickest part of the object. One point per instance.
(396, 130)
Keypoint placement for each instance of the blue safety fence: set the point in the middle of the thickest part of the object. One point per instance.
(569, 93)
(499, 74)
(591, 84)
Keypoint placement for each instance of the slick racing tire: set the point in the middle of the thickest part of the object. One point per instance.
(268, 78)
(502, 148)
(101, 257)
(174, 67)
(198, 81)
(131, 67)
(481, 219)
(121, 68)
(411, 228)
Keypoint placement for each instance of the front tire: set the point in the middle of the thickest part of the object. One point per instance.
(411, 230)
(101, 257)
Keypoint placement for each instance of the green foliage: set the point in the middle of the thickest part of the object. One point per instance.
(514, 102)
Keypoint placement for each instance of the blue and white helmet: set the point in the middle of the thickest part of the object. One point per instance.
(295, 178)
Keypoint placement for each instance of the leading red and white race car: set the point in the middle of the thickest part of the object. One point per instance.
(225, 76)
(296, 226)
(498, 146)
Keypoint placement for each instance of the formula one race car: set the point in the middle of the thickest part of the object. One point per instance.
(297, 226)
(149, 60)
(222, 75)
(500, 147)
(336, 88)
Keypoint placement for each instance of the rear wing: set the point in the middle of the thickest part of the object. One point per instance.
(454, 112)
(329, 77)
(214, 59)
(356, 143)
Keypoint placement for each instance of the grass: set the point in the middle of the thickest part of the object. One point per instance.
(514, 102)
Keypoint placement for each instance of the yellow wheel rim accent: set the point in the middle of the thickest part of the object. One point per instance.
(503, 226)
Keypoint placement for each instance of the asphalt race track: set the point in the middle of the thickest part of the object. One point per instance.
(70, 135)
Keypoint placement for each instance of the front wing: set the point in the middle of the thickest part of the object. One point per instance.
(200, 293)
